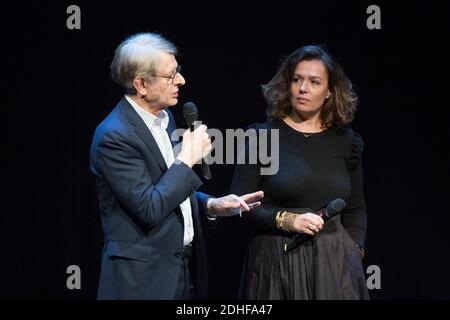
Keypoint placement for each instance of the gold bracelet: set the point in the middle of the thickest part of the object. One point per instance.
(287, 221)
(279, 219)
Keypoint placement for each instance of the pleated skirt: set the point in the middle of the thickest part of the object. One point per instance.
(326, 267)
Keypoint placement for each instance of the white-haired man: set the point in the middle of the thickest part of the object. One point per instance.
(151, 212)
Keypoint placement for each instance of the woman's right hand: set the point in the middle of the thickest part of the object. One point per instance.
(308, 223)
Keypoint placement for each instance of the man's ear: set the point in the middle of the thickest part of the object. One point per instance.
(141, 86)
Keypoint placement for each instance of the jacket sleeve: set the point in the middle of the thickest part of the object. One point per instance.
(124, 170)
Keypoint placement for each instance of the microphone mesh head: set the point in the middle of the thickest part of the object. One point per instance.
(190, 112)
(336, 206)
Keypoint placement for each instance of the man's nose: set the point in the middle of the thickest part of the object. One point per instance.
(179, 80)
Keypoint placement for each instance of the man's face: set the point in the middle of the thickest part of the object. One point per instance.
(162, 92)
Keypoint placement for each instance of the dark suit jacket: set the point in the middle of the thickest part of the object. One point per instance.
(139, 202)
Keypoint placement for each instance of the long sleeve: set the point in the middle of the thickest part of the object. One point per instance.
(354, 217)
(246, 179)
(124, 171)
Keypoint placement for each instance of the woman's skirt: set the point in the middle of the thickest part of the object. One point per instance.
(327, 266)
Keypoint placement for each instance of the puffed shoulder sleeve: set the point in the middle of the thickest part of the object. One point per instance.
(354, 217)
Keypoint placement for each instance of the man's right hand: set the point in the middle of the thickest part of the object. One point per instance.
(195, 146)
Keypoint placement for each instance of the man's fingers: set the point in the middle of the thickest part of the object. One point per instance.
(202, 128)
(254, 205)
(253, 197)
(243, 205)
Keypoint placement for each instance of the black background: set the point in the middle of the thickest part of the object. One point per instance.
(58, 89)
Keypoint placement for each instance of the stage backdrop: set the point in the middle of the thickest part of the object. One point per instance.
(58, 89)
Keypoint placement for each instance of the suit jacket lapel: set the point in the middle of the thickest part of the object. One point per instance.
(143, 132)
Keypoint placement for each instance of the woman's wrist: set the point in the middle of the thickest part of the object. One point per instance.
(285, 221)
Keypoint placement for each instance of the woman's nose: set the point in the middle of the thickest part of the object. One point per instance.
(303, 87)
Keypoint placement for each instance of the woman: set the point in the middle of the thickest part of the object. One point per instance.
(311, 103)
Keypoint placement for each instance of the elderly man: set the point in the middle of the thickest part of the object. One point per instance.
(151, 212)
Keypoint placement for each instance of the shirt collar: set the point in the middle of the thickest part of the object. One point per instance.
(150, 119)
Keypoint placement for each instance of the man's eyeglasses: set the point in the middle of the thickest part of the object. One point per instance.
(171, 77)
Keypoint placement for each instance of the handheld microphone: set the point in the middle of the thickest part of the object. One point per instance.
(333, 208)
(190, 114)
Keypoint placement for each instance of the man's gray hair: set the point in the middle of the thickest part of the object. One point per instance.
(137, 56)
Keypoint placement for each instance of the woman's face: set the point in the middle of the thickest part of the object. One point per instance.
(309, 87)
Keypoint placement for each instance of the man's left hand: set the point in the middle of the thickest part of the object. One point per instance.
(232, 204)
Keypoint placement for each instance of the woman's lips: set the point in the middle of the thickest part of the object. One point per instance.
(302, 100)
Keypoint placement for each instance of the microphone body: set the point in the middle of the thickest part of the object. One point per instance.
(333, 208)
(190, 114)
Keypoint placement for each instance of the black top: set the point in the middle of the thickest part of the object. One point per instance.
(313, 171)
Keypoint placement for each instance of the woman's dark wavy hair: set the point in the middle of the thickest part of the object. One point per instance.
(339, 108)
